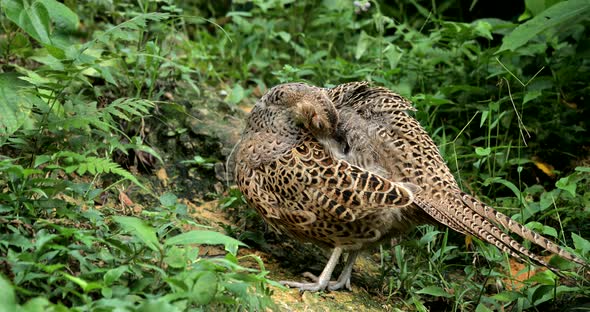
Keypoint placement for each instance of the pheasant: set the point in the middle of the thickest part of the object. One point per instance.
(347, 168)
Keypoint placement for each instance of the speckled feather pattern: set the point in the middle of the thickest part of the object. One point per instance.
(348, 167)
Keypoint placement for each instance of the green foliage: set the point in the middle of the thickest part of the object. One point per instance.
(142, 258)
(70, 109)
(553, 20)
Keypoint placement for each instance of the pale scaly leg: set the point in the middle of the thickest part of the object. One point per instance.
(321, 282)
(344, 278)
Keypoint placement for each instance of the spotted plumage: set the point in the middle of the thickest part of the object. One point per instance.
(347, 167)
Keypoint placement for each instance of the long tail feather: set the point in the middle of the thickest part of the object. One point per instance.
(495, 216)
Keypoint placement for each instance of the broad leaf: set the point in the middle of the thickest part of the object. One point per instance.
(566, 12)
(205, 237)
(144, 232)
(434, 291)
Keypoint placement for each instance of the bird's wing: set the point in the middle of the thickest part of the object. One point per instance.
(311, 183)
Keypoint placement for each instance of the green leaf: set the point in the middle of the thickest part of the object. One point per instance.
(7, 295)
(566, 185)
(284, 35)
(506, 296)
(506, 183)
(393, 54)
(176, 257)
(64, 18)
(168, 200)
(484, 117)
(36, 22)
(35, 305)
(205, 237)
(581, 244)
(236, 95)
(86, 286)
(547, 200)
(113, 275)
(546, 277)
(564, 12)
(137, 227)
(157, 305)
(480, 151)
(362, 45)
(482, 308)
(435, 291)
(205, 288)
(16, 105)
(32, 19)
(531, 95)
(429, 237)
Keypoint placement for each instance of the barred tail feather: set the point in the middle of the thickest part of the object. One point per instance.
(463, 220)
(497, 217)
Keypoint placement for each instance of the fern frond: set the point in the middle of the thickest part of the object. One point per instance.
(82, 164)
(125, 108)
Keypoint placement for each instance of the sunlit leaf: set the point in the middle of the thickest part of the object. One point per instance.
(137, 227)
(205, 237)
(205, 288)
(561, 13)
(434, 291)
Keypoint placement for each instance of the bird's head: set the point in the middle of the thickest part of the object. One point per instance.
(308, 106)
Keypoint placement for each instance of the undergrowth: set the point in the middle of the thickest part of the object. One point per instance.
(84, 85)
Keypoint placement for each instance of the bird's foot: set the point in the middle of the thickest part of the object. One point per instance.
(332, 285)
(304, 286)
(317, 284)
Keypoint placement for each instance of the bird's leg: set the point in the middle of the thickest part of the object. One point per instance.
(321, 282)
(344, 278)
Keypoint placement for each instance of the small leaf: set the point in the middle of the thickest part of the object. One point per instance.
(86, 286)
(506, 296)
(284, 35)
(547, 200)
(581, 243)
(362, 45)
(145, 233)
(482, 308)
(205, 237)
(205, 288)
(176, 258)
(531, 95)
(61, 15)
(564, 184)
(429, 237)
(113, 275)
(236, 95)
(168, 200)
(7, 295)
(484, 117)
(546, 277)
(434, 291)
(157, 305)
(480, 151)
(35, 304)
(36, 19)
